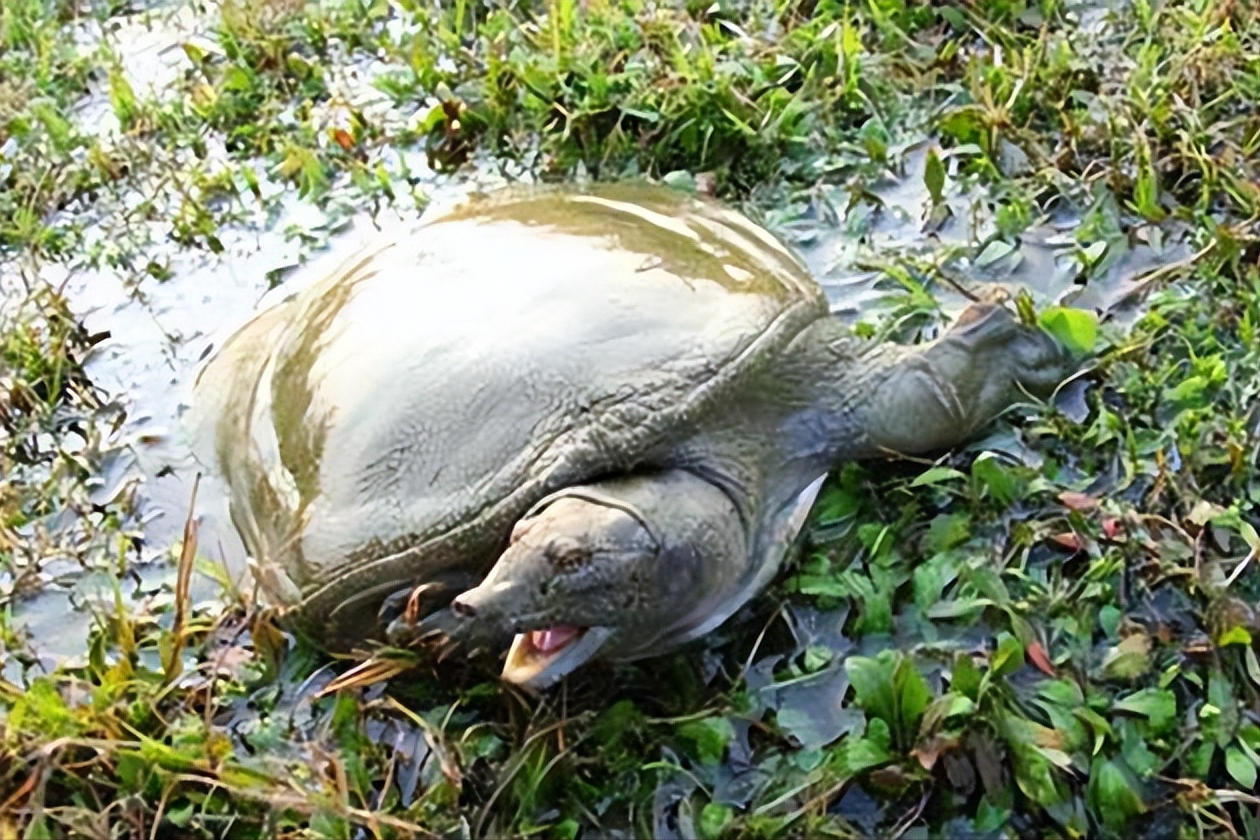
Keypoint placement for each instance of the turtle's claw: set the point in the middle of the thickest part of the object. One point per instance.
(409, 614)
(444, 632)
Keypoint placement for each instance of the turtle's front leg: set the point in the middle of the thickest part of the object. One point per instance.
(939, 395)
(411, 614)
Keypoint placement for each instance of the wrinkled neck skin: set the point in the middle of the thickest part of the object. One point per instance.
(832, 397)
(849, 398)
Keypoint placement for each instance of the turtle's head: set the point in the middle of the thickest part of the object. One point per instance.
(577, 575)
(622, 569)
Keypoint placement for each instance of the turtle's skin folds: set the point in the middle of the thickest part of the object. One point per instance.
(637, 389)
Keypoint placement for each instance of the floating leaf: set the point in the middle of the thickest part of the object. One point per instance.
(994, 251)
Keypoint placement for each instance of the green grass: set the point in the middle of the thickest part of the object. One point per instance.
(1048, 633)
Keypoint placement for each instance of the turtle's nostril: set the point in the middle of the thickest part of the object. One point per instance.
(463, 609)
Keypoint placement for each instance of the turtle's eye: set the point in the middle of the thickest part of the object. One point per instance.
(566, 553)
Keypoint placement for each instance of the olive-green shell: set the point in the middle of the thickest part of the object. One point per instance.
(399, 415)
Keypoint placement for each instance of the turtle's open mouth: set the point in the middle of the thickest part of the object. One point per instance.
(541, 658)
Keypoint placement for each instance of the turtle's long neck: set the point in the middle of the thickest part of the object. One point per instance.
(829, 380)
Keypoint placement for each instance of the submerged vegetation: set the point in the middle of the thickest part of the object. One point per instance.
(1048, 633)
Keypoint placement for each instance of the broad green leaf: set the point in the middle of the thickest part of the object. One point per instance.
(936, 475)
(713, 818)
(1094, 252)
(1137, 754)
(816, 657)
(1198, 761)
(958, 607)
(1222, 725)
(991, 819)
(1113, 793)
(872, 680)
(1008, 657)
(38, 828)
(1188, 390)
(1035, 776)
(1064, 692)
(709, 737)
(965, 677)
(946, 531)
(835, 503)
(1109, 620)
(678, 179)
(1159, 706)
(1237, 635)
(1098, 723)
(1242, 768)
(948, 705)
(913, 695)
(934, 176)
(822, 586)
(857, 754)
(1076, 329)
(1002, 482)
(931, 578)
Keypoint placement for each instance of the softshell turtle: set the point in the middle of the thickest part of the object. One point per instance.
(596, 416)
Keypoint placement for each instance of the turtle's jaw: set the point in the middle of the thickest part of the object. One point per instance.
(541, 658)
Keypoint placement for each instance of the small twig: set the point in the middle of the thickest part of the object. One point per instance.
(1238, 570)
(32, 781)
(743, 672)
(187, 554)
(905, 824)
(161, 811)
(1144, 282)
(368, 672)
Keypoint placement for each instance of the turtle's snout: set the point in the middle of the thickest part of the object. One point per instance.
(463, 608)
(485, 601)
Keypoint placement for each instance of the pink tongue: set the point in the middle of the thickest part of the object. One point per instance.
(553, 638)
